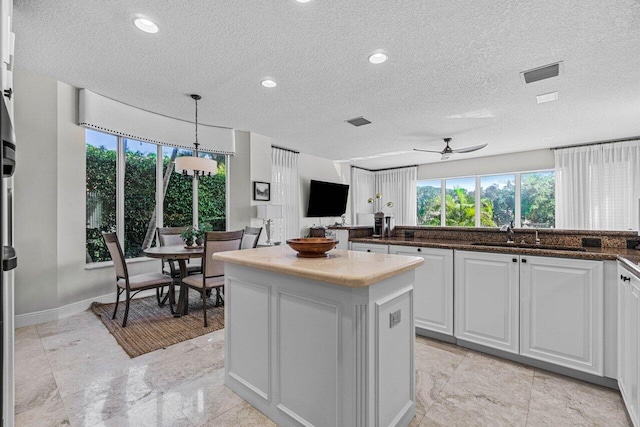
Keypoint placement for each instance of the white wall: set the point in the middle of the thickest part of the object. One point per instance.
(240, 183)
(317, 168)
(260, 171)
(50, 203)
(513, 162)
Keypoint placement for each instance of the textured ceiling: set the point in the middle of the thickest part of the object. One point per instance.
(453, 70)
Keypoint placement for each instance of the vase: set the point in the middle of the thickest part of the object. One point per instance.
(188, 242)
(199, 241)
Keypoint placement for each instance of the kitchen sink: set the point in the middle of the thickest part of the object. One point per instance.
(530, 246)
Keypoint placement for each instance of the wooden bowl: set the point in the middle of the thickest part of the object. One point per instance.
(312, 247)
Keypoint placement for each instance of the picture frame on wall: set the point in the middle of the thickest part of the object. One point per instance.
(261, 191)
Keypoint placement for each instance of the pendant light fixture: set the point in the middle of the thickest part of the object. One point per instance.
(194, 165)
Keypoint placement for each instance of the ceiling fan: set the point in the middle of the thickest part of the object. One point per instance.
(448, 151)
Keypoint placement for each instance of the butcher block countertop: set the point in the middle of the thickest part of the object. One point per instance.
(346, 268)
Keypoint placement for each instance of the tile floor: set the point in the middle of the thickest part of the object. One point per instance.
(72, 372)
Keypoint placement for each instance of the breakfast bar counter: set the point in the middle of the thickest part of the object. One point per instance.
(323, 341)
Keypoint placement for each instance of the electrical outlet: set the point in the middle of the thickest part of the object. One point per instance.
(394, 318)
(633, 243)
(590, 242)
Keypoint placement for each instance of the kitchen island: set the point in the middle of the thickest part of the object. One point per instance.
(324, 341)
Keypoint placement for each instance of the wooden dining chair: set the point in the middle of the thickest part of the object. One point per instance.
(170, 236)
(251, 237)
(131, 285)
(213, 270)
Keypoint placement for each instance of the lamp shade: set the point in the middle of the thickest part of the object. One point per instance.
(269, 211)
(192, 163)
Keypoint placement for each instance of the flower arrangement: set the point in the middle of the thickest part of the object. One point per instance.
(378, 205)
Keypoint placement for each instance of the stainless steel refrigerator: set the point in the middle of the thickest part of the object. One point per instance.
(9, 259)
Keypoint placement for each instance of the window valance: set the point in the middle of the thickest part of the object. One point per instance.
(107, 115)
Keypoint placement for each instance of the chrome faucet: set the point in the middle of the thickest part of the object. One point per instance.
(537, 238)
(509, 230)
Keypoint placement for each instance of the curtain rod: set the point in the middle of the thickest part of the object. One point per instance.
(385, 169)
(285, 149)
(610, 141)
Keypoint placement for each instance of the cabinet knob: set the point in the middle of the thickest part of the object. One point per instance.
(419, 249)
(368, 250)
(524, 260)
(8, 93)
(515, 260)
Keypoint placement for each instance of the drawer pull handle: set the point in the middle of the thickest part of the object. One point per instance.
(626, 279)
(524, 261)
(515, 260)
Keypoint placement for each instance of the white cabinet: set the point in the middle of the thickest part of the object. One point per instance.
(370, 247)
(629, 341)
(433, 290)
(486, 299)
(561, 312)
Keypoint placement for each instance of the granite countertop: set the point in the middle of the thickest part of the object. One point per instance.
(631, 256)
(346, 268)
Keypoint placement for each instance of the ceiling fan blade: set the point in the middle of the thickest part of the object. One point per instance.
(427, 151)
(445, 156)
(470, 149)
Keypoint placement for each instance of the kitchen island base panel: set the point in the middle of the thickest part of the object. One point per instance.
(305, 352)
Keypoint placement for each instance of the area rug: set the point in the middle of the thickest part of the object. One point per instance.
(150, 327)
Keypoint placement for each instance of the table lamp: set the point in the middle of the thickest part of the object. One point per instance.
(267, 213)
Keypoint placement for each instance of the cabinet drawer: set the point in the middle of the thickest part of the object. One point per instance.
(370, 247)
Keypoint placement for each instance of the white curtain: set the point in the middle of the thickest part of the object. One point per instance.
(363, 186)
(598, 186)
(399, 186)
(285, 184)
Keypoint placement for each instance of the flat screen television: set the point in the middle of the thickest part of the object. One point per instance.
(327, 199)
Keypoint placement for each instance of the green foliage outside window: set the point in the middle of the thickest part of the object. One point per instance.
(497, 203)
(140, 199)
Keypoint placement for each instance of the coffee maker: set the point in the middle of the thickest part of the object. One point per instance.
(378, 224)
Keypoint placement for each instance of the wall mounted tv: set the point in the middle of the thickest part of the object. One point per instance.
(327, 199)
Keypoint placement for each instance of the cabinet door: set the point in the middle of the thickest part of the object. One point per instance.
(487, 299)
(433, 290)
(633, 351)
(370, 247)
(561, 309)
(623, 344)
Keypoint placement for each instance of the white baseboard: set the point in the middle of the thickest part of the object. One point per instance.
(37, 317)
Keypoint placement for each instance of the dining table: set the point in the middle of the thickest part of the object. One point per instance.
(181, 254)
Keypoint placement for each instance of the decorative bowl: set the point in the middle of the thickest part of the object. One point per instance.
(312, 247)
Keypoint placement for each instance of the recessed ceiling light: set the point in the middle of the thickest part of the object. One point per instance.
(378, 58)
(303, 1)
(268, 83)
(547, 97)
(146, 25)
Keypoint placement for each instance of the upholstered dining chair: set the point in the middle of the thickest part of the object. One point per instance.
(251, 237)
(170, 236)
(131, 285)
(212, 276)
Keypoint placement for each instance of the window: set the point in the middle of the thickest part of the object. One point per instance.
(460, 206)
(178, 200)
(101, 192)
(527, 199)
(211, 195)
(538, 199)
(131, 210)
(497, 200)
(139, 196)
(430, 202)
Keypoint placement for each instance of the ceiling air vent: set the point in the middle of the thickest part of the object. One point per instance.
(541, 73)
(358, 121)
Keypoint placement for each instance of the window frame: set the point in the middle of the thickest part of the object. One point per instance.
(120, 200)
(518, 195)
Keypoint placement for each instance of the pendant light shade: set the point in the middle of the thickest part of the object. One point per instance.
(195, 165)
